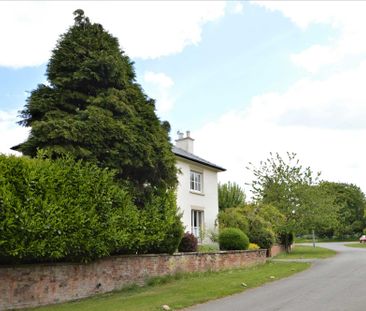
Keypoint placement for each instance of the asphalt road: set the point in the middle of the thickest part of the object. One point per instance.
(333, 284)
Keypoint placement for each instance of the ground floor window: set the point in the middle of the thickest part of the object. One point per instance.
(197, 222)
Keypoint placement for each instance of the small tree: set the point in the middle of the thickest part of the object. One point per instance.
(230, 195)
(293, 190)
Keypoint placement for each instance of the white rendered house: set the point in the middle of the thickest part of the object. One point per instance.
(197, 194)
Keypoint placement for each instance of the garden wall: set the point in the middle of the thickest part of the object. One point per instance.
(277, 249)
(40, 284)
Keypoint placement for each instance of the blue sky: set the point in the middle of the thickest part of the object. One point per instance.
(247, 78)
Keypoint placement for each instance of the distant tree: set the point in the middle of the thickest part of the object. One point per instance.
(352, 205)
(293, 190)
(230, 195)
(93, 108)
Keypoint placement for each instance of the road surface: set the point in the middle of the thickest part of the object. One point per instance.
(333, 284)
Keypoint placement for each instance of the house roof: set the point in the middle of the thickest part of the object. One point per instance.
(190, 156)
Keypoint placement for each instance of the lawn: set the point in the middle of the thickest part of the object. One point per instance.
(184, 290)
(307, 252)
(357, 245)
(310, 240)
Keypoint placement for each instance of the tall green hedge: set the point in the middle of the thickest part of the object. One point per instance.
(66, 210)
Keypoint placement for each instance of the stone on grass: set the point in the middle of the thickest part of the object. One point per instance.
(165, 307)
(272, 277)
(244, 284)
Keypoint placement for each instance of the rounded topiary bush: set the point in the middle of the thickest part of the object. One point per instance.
(233, 239)
(188, 243)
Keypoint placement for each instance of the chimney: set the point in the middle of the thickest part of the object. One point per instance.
(185, 143)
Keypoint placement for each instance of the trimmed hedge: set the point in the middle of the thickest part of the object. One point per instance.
(66, 210)
(233, 239)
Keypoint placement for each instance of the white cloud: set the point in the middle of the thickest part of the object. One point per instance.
(323, 121)
(159, 85)
(160, 79)
(10, 132)
(145, 29)
(238, 7)
(346, 17)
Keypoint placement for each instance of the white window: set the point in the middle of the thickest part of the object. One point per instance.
(197, 222)
(196, 181)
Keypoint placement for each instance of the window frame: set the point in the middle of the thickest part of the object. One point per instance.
(196, 183)
(197, 222)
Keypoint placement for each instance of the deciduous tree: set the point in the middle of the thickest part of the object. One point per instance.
(230, 195)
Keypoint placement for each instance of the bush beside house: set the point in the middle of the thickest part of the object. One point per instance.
(189, 243)
(67, 210)
(233, 239)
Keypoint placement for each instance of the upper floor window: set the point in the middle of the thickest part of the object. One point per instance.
(196, 181)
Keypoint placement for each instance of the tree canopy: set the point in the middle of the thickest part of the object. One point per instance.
(294, 191)
(93, 108)
(230, 195)
(351, 202)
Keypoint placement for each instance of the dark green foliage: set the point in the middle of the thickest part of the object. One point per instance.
(259, 221)
(351, 204)
(156, 228)
(286, 239)
(94, 109)
(233, 218)
(233, 239)
(188, 243)
(230, 195)
(261, 233)
(63, 210)
(59, 210)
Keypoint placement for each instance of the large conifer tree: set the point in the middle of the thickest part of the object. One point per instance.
(93, 109)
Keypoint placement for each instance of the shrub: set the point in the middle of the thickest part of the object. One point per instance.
(188, 243)
(59, 210)
(67, 210)
(262, 236)
(261, 232)
(158, 228)
(233, 239)
(213, 235)
(233, 218)
(253, 246)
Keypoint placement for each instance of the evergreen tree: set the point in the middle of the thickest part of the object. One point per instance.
(93, 109)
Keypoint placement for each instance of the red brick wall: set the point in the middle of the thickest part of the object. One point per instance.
(277, 249)
(34, 285)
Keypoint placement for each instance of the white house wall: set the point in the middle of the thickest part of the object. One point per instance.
(188, 200)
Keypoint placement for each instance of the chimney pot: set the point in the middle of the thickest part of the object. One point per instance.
(185, 143)
(180, 135)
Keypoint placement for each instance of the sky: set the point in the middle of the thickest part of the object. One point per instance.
(246, 78)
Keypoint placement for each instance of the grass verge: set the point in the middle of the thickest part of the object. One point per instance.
(328, 240)
(183, 290)
(359, 245)
(307, 252)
